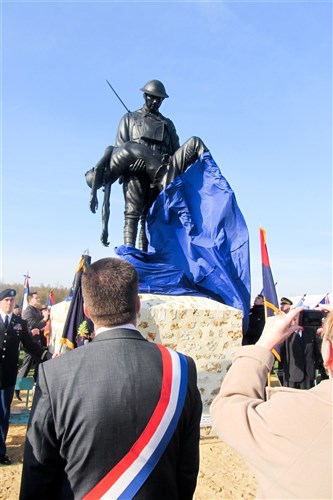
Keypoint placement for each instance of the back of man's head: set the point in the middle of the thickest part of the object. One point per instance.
(110, 292)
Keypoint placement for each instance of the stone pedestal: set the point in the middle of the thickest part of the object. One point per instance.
(202, 328)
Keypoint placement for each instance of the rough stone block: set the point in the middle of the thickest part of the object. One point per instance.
(206, 330)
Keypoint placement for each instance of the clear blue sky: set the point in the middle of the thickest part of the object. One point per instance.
(253, 79)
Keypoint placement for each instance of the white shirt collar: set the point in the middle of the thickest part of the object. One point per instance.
(3, 316)
(102, 329)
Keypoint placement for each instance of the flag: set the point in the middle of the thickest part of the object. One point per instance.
(77, 326)
(325, 300)
(50, 299)
(270, 295)
(271, 300)
(300, 303)
(198, 240)
(26, 291)
(263, 292)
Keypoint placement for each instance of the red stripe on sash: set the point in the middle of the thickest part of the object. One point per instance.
(111, 477)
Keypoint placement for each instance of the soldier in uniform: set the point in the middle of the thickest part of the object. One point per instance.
(148, 156)
(13, 330)
(257, 321)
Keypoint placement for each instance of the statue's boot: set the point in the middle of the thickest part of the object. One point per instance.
(143, 241)
(130, 230)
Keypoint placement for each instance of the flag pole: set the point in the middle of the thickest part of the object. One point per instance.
(269, 286)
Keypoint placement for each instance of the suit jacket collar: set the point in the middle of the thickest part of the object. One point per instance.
(119, 333)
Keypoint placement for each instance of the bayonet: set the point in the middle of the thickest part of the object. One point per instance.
(113, 90)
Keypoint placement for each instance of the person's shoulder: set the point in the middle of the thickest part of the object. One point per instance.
(28, 310)
(191, 366)
(128, 117)
(165, 119)
(71, 358)
(258, 309)
(135, 113)
(18, 320)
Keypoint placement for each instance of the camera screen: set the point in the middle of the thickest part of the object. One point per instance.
(311, 318)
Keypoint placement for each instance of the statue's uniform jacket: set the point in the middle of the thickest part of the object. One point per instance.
(154, 130)
(159, 134)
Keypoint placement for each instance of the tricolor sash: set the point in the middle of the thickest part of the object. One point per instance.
(127, 477)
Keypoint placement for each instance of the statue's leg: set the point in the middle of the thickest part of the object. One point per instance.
(106, 215)
(143, 241)
(150, 196)
(95, 177)
(187, 154)
(134, 189)
(125, 155)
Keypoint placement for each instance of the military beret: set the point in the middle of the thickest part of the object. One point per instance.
(284, 300)
(9, 292)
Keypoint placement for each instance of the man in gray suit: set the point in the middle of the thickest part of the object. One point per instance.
(119, 416)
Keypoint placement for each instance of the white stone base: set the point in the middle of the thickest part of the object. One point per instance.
(204, 329)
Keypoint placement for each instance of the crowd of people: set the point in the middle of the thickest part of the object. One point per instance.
(14, 332)
(300, 362)
(120, 417)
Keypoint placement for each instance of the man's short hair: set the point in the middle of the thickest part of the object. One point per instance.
(30, 295)
(110, 290)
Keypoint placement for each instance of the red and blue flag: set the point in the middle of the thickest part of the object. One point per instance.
(50, 299)
(271, 300)
(270, 295)
(325, 300)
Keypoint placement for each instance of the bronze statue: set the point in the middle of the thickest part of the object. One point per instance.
(147, 156)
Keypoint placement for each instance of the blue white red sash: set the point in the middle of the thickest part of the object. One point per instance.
(127, 477)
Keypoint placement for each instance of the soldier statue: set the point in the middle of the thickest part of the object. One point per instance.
(147, 157)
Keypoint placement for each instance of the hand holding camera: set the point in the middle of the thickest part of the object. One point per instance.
(278, 328)
(312, 317)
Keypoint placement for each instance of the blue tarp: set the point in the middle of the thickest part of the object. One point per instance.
(198, 240)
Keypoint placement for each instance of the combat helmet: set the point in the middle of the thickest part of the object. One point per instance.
(156, 88)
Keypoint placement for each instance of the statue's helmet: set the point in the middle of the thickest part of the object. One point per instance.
(156, 88)
(90, 177)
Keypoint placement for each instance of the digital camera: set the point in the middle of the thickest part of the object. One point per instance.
(311, 317)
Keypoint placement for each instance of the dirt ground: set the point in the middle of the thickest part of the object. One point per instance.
(223, 474)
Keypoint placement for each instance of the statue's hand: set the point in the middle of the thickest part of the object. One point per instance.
(104, 238)
(93, 204)
(138, 166)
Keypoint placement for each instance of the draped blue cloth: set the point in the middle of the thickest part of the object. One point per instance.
(198, 240)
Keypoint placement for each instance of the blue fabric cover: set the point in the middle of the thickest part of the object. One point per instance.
(198, 240)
